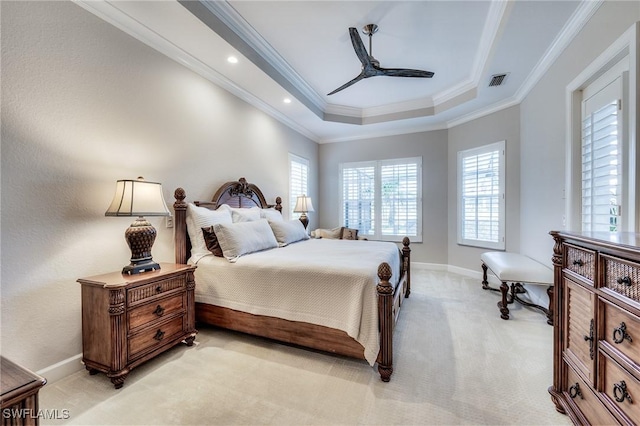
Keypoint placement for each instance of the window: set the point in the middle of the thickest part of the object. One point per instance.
(601, 153)
(298, 183)
(383, 199)
(481, 196)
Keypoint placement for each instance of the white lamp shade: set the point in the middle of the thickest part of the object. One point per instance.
(303, 205)
(138, 198)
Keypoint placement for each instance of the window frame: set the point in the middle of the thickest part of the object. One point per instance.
(500, 244)
(377, 199)
(293, 195)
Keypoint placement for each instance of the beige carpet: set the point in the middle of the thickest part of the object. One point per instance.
(456, 362)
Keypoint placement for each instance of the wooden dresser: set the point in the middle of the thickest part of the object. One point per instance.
(596, 355)
(128, 319)
(19, 389)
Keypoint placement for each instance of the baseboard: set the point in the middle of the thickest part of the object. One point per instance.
(62, 369)
(456, 270)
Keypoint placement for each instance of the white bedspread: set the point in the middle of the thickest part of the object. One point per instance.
(319, 281)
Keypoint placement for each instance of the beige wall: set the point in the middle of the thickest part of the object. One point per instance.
(431, 146)
(543, 118)
(500, 126)
(84, 104)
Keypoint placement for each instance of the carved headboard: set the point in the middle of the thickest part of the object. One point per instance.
(239, 194)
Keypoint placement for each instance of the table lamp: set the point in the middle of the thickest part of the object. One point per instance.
(303, 205)
(139, 198)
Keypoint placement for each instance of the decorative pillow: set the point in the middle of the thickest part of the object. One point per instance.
(201, 217)
(348, 234)
(245, 215)
(240, 238)
(271, 214)
(288, 232)
(211, 241)
(327, 233)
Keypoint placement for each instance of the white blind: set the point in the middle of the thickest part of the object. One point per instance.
(601, 169)
(383, 199)
(481, 189)
(298, 181)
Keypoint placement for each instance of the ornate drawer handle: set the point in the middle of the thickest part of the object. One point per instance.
(578, 262)
(620, 392)
(624, 280)
(160, 311)
(158, 289)
(620, 334)
(159, 335)
(575, 391)
(589, 339)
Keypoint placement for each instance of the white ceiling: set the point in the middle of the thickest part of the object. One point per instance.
(301, 50)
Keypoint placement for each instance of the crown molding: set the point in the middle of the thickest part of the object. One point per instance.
(381, 134)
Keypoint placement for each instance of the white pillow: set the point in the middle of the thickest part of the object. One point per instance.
(327, 233)
(271, 214)
(245, 215)
(240, 238)
(198, 218)
(288, 232)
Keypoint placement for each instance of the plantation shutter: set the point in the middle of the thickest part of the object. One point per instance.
(482, 203)
(358, 197)
(298, 176)
(400, 198)
(601, 162)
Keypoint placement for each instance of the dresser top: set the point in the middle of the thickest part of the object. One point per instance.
(16, 380)
(118, 279)
(625, 239)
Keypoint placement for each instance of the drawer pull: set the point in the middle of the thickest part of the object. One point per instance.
(578, 262)
(624, 280)
(575, 391)
(620, 334)
(620, 392)
(158, 289)
(159, 335)
(160, 311)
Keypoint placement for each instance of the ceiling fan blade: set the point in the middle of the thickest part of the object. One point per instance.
(347, 84)
(405, 72)
(358, 46)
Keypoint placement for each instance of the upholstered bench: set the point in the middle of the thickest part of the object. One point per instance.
(517, 269)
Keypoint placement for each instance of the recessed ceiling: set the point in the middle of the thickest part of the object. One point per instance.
(301, 50)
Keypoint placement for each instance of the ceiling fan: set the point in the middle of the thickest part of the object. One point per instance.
(370, 65)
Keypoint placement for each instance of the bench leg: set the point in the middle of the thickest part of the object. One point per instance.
(504, 309)
(485, 283)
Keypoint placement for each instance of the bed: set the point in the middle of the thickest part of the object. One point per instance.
(330, 295)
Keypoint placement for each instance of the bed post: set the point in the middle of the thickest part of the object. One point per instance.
(406, 259)
(385, 316)
(180, 226)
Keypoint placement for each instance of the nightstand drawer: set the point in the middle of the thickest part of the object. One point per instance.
(154, 337)
(581, 261)
(156, 311)
(622, 276)
(145, 292)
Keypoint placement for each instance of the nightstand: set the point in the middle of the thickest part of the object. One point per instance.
(19, 394)
(129, 319)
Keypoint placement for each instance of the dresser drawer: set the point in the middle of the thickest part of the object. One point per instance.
(584, 397)
(621, 331)
(156, 311)
(143, 293)
(581, 261)
(622, 390)
(154, 337)
(622, 276)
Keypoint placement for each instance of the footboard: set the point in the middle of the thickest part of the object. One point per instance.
(389, 303)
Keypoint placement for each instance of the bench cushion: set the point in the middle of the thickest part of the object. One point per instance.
(515, 267)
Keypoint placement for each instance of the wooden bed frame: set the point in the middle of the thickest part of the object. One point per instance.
(242, 194)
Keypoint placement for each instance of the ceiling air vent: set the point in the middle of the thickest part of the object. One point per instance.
(498, 79)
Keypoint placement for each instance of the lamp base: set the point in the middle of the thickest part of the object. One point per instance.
(142, 266)
(304, 219)
(140, 237)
